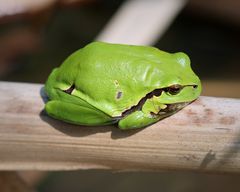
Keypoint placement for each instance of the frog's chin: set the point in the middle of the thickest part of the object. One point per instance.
(171, 108)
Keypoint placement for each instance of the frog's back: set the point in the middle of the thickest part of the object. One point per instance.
(112, 77)
(122, 50)
(133, 65)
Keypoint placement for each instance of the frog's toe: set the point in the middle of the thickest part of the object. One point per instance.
(136, 120)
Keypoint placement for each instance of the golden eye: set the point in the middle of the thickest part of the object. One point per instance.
(174, 89)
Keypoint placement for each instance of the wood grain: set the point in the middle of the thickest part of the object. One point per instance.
(204, 136)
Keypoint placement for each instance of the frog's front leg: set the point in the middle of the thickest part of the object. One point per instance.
(148, 115)
(77, 114)
(135, 120)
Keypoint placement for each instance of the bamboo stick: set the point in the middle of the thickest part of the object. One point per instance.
(204, 136)
(141, 22)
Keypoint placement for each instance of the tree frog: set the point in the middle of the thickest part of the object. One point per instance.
(129, 85)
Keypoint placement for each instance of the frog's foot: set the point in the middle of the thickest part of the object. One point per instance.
(77, 114)
(136, 120)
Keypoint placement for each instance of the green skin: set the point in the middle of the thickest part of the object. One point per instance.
(97, 84)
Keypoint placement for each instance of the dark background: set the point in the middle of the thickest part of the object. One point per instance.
(212, 43)
(31, 45)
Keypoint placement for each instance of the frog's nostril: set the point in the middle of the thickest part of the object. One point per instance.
(195, 86)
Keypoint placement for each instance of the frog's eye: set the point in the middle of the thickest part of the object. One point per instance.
(174, 89)
(70, 89)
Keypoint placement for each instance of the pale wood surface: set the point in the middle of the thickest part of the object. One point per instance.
(12, 7)
(204, 136)
(141, 22)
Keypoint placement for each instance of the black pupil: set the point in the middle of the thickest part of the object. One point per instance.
(175, 89)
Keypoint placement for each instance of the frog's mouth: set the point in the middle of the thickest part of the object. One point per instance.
(170, 109)
(166, 109)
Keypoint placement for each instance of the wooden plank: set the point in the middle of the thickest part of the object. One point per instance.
(141, 22)
(204, 136)
(8, 8)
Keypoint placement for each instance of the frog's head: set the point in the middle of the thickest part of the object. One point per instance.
(179, 85)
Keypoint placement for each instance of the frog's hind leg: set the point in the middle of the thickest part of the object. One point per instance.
(135, 120)
(77, 114)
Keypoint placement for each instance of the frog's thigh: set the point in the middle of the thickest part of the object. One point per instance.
(136, 120)
(76, 114)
